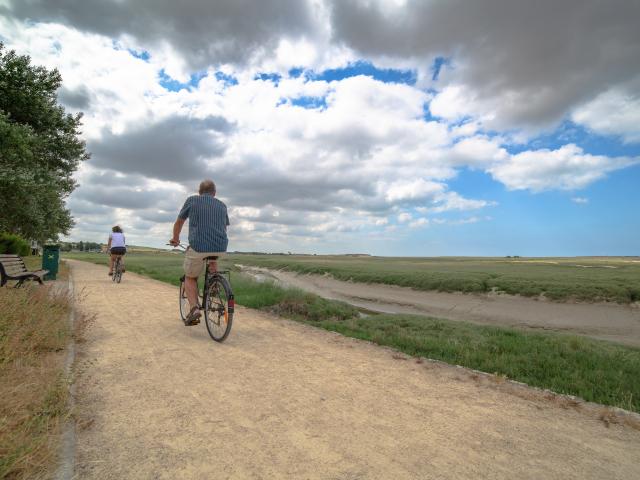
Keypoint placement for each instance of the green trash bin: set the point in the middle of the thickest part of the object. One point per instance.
(50, 260)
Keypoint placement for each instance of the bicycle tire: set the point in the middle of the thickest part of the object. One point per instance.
(119, 270)
(183, 302)
(114, 276)
(219, 305)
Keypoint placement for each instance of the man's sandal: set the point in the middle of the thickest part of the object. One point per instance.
(194, 317)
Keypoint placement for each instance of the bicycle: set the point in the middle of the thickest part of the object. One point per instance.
(117, 270)
(216, 298)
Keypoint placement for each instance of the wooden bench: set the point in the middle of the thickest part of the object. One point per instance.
(12, 267)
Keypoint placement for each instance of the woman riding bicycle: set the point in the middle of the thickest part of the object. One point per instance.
(116, 247)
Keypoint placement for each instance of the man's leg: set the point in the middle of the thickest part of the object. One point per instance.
(111, 263)
(192, 270)
(191, 289)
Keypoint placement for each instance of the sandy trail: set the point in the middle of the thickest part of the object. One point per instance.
(617, 323)
(283, 400)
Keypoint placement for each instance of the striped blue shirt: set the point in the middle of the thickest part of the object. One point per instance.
(208, 221)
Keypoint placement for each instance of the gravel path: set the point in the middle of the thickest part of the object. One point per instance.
(157, 400)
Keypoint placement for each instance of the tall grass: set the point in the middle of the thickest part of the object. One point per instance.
(561, 279)
(594, 370)
(33, 335)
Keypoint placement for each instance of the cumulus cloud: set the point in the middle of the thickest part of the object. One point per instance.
(175, 148)
(614, 112)
(78, 99)
(200, 32)
(567, 168)
(419, 223)
(513, 63)
(304, 157)
(418, 189)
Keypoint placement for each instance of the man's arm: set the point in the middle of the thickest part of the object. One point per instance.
(177, 228)
(182, 217)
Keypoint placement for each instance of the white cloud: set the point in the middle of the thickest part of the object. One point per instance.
(580, 200)
(418, 189)
(614, 112)
(567, 168)
(404, 217)
(451, 103)
(501, 67)
(363, 157)
(461, 221)
(419, 223)
(478, 151)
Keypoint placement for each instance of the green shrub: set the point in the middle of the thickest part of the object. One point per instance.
(15, 244)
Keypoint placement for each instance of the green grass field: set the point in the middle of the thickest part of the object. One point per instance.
(595, 370)
(614, 279)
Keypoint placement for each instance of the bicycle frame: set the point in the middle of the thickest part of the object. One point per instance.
(208, 276)
(207, 279)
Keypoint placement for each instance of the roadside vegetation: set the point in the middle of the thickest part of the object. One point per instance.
(590, 279)
(34, 332)
(596, 371)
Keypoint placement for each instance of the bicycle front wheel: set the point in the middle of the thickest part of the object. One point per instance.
(219, 306)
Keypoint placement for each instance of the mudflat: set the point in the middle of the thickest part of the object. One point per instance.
(280, 399)
(605, 321)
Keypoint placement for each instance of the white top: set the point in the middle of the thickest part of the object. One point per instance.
(117, 239)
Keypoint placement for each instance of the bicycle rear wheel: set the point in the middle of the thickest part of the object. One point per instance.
(119, 269)
(184, 303)
(116, 269)
(218, 309)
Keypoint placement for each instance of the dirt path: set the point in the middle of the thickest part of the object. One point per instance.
(617, 323)
(158, 400)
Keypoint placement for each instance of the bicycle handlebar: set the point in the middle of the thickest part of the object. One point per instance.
(180, 245)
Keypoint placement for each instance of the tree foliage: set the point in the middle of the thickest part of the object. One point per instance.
(15, 244)
(40, 149)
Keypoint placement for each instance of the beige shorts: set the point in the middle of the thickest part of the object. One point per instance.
(194, 261)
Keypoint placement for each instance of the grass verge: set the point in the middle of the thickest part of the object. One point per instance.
(33, 335)
(596, 371)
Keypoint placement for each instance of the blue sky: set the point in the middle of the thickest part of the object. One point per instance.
(407, 137)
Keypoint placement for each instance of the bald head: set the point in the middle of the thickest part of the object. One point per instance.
(207, 186)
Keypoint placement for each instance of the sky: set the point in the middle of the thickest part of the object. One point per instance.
(388, 127)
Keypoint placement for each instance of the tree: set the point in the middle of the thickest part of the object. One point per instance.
(40, 149)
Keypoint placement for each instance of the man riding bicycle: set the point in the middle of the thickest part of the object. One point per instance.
(208, 222)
